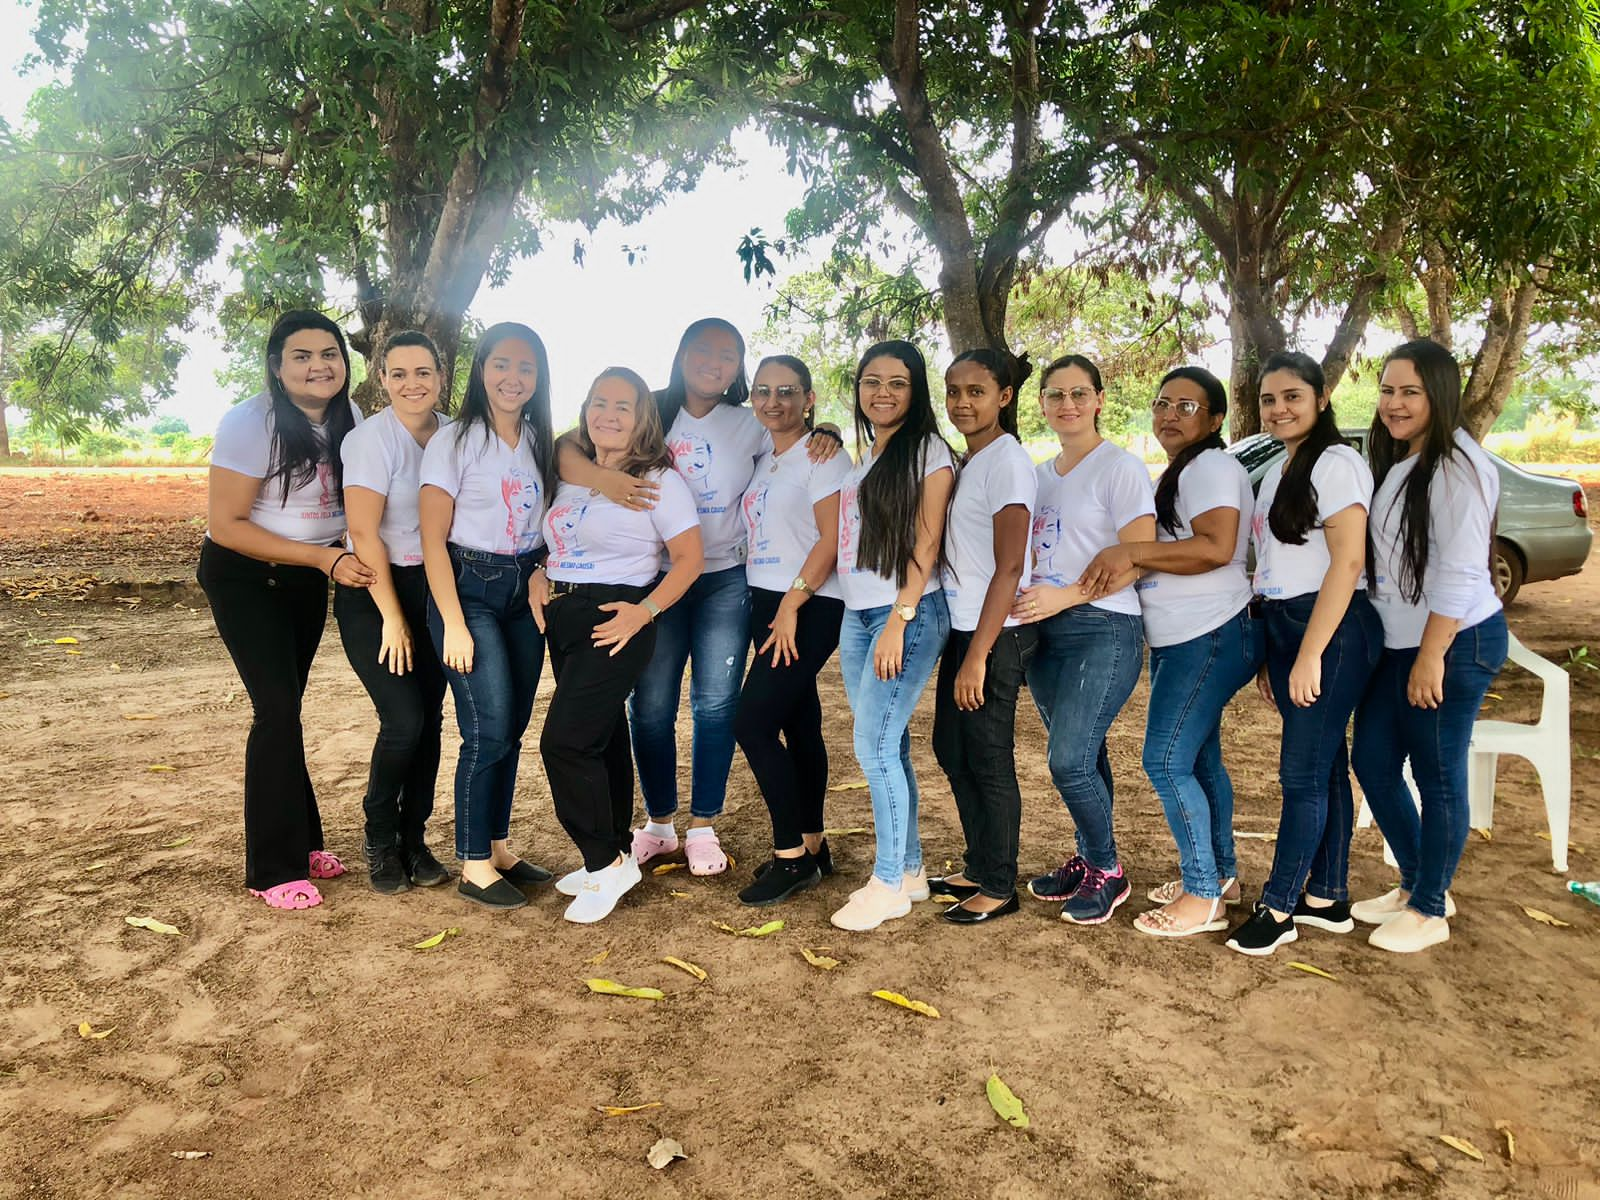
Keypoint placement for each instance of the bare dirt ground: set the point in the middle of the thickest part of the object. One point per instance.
(317, 1053)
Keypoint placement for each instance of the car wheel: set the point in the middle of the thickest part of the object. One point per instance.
(1508, 571)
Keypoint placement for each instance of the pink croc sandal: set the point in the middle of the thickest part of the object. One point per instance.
(647, 846)
(325, 865)
(705, 855)
(297, 893)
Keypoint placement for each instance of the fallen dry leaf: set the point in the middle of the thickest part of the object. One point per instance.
(769, 928)
(174, 844)
(943, 898)
(161, 767)
(916, 1006)
(820, 961)
(98, 866)
(1486, 834)
(1511, 1140)
(664, 1152)
(66, 641)
(428, 943)
(666, 867)
(698, 972)
(598, 958)
(610, 987)
(1310, 970)
(191, 1154)
(1252, 835)
(828, 833)
(1005, 1103)
(1545, 918)
(1462, 1145)
(622, 1110)
(150, 923)
(72, 652)
(1572, 846)
(139, 716)
(860, 785)
(85, 1030)
(679, 895)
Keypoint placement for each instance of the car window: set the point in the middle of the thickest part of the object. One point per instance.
(1256, 451)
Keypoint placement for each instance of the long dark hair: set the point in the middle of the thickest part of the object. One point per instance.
(647, 450)
(1084, 364)
(475, 411)
(297, 451)
(891, 493)
(802, 371)
(670, 400)
(1294, 508)
(1441, 380)
(1216, 404)
(1008, 370)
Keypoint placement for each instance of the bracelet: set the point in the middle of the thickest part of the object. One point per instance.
(651, 607)
(833, 433)
(340, 559)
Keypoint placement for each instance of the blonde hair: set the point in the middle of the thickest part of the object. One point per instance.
(647, 451)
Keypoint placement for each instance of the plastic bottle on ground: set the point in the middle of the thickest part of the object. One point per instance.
(1589, 891)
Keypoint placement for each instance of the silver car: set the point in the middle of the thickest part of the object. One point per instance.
(1543, 531)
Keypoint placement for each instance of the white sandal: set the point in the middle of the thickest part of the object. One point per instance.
(1159, 923)
(1166, 893)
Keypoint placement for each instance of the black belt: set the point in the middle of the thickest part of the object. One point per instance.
(600, 591)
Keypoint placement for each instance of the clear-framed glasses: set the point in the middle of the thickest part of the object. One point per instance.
(784, 391)
(1161, 406)
(1077, 397)
(871, 383)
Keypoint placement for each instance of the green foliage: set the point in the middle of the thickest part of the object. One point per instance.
(167, 425)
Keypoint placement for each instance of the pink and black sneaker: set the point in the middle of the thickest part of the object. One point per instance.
(1097, 896)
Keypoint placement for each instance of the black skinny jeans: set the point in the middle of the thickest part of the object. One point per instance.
(270, 617)
(977, 751)
(405, 758)
(587, 754)
(792, 773)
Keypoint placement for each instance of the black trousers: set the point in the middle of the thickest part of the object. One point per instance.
(977, 751)
(405, 758)
(270, 617)
(588, 757)
(792, 773)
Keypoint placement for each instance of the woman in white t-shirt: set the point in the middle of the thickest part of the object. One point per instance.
(600, 616)
(791, 514)
(1204, 643)
(485, 483)
(384, 628)
(1093, 494)
(891, 529)
(987, 560)
(275, 513)
(1444, 635)
(1323, 639)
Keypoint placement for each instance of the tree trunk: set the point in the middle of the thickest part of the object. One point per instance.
(1255, 332)
(1499, 357)
(1358, 308)
(5, 434)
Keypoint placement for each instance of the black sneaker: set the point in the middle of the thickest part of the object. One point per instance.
(386, 870)
(823, 858)
(1335, 917)
(1061, 883)
(782, 878)
(424, 869)
(1262, 933)
(1097, 897)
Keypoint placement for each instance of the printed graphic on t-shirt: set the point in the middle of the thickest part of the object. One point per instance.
(755, 511)
(519, 492)
(327, 499)
(1258, 532)
(562, 526)
(849, 529)
(691, 456)
(1046, 537)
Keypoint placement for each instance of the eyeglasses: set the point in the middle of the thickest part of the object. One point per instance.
(784, 391)
(1161, 406)
(871, 383)
(1077, 397)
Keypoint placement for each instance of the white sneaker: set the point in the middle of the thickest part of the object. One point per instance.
(571, 883)
(600, 892)
(1409, 932)
(871, 906)
(915, 887)
(1380, 910)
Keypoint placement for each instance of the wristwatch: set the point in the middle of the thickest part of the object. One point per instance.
(651, 607)
(800, 585)
(906, 612)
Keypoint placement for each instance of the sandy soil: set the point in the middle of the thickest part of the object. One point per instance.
(318, 1053)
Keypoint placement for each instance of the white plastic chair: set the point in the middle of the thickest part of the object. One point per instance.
(1547, 744)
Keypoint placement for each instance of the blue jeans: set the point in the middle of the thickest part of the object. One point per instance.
(1313, 849)
(1190, 684)
(710, 629)
(882, 709)
(1426, 845)
(495, 700)
(1087, 663)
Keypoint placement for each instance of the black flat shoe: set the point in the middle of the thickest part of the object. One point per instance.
(525, 874)
(782, 879)
(959, 890)
(957, 915)
(823, 858)
(498, 895)
(424, 869)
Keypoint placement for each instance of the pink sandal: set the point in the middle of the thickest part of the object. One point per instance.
(297, 893)
(325, 865)
(647, 846)
(705, 855)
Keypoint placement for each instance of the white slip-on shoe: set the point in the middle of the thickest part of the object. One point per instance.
(1382, 909)
(871, 907)
(915, 887)
(571, 883)
(601, 891)
(1409, 932)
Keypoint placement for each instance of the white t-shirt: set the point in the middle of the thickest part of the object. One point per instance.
(1462, 497)
(383, 456)
(1340, 478)
(716, 456)
(1080, 514)
(312, 513)
(1180, 607)
(499, 492)
(780, 515)
(860, 587)
(594, 540)
(996, 477)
